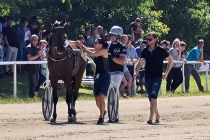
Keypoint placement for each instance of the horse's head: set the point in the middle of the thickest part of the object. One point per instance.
(58, 36)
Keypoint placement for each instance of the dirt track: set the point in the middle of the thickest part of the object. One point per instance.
(182, 118)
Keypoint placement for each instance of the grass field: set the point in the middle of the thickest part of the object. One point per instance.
(6, 91)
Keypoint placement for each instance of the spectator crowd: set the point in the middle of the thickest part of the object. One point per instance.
(27, 41)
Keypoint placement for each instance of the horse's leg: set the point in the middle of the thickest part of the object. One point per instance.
(55, 101)
(75, 88)
(68, 101)
(71, 108)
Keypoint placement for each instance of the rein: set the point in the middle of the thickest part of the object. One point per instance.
(56, 60)
(69, 55)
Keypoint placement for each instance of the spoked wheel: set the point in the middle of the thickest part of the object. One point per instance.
(47, 103)
(113, 103)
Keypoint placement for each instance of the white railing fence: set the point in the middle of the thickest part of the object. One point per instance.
(15, 63)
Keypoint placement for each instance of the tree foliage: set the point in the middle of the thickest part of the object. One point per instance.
(188, 20)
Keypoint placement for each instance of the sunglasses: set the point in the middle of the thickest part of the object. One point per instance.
(149, 39)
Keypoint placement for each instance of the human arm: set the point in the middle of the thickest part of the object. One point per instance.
(32, 58)
(94, 53)
(169, 66)
(138, 66)
(120, 60)
(6, 41)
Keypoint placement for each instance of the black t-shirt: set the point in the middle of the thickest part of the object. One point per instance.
(32, 50)
(154, 61)
(116, 49)
(102, 65)
(11, 34)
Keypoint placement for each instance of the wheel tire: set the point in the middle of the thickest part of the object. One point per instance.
(47, 103)
(113, 103)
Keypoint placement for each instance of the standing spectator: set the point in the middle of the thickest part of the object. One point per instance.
(11, 43)
(100, 30)
(33, 53)
(140, 76)
(117, 59)
(24, 35)
(35, 26)
(102, 80)
(91, 39)
(196, 54)
(165, 45)
(153, 57)
(43, 67)
(175, 78)
(136, 31)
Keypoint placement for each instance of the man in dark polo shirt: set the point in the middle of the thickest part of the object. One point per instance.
(153, 57)
(11, 42)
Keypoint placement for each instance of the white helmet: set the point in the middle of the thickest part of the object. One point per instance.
(116, 30)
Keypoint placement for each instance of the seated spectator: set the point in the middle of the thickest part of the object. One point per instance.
(126, 83)
(131, 60)
(42, 72)
(136, 31)
(127, 79)
(33, 53)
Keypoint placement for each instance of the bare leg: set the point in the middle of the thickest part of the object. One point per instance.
(129, 80)
(97, 102)
(152, 108)
(102, 106)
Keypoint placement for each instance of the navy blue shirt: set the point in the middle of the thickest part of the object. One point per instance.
(116, 49)
(154, 61)
(32, 50)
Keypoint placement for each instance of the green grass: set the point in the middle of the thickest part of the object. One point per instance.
(6, 91)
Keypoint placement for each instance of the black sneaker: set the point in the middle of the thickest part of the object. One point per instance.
(114, 121)
(149, 122)
(100, 121)
(117, 121)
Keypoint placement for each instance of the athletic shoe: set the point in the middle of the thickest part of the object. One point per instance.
(100, 121)
(149, 122)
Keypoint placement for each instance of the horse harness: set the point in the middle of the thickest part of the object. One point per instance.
(74, 54)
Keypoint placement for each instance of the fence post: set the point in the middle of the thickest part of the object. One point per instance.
(207, 80)
(15, 80)
(183, 83)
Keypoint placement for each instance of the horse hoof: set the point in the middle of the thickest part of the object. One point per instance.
(72, 119)
(52, 121)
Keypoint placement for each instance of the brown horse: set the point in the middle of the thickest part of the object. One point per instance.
(64, 64)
